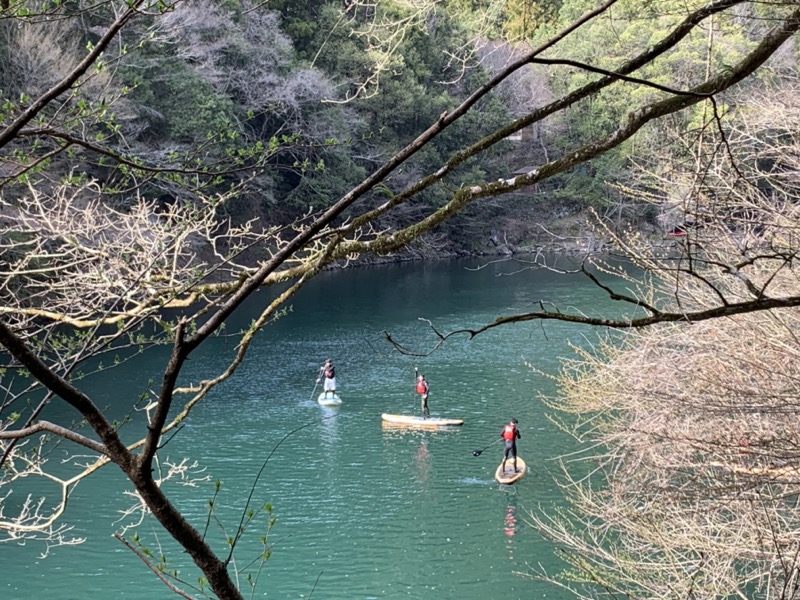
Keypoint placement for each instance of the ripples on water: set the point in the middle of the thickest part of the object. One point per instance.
(362, 511)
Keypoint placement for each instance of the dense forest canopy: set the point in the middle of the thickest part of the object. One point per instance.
(291, 105)
(281, 105)
(184, 155)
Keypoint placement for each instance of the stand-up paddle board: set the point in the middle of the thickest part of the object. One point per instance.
(328, 400)
(412, 421)
(509, 476)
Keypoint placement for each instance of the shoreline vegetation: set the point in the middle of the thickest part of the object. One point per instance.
(574, 236)
(183, 156)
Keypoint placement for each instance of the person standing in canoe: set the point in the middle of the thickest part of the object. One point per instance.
(510, 435)
(328, 373)
(423, 390)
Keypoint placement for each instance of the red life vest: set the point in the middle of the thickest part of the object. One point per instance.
(509, 432)
(422, 387)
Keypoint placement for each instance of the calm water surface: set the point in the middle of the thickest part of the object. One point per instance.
(362, 511)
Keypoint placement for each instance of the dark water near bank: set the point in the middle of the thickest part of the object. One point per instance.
(362, 511)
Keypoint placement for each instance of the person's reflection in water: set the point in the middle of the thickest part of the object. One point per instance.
(330, 431)
(510, 521)
(422, 458)
(510, 529)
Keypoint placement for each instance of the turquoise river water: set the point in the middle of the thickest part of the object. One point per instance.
(363, 512)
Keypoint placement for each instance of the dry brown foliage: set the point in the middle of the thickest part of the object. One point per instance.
(692, 487)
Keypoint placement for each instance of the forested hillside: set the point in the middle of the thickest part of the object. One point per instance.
(289, 105)
(285, 108)
(161, 163)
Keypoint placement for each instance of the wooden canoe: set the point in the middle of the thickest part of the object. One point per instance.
(508, 476)
(412, 421)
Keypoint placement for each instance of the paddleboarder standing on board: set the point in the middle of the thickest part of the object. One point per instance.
(510, 434)
(423, 389)
(328, 373)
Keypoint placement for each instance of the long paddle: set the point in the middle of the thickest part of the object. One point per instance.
(314, 391)
(479, 452)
